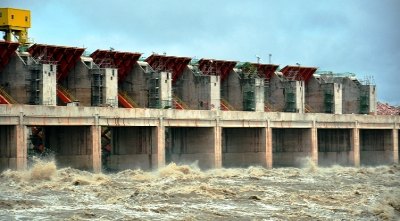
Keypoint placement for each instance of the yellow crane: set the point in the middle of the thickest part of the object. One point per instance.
(15, 22)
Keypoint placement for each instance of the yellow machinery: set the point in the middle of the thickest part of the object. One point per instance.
(15, 22)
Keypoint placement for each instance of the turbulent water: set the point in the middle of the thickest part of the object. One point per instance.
(45, 192)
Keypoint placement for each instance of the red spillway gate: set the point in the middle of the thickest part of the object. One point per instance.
(65, 57)
(216, 67)
(173, 64)
(298, 73)
(265, 70)
(124, 61)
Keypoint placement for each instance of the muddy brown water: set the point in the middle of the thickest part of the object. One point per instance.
(183, 192)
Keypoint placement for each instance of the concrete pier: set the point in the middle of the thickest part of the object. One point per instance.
(13, 143)
(149, 138)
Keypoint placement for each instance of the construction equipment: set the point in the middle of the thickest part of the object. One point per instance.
(15, 22)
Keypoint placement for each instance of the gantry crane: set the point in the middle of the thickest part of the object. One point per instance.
(15, 24)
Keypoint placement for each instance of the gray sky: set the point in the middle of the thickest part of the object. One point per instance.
(359, 36)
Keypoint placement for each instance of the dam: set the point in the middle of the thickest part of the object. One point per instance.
(118, 110)
(150, 138)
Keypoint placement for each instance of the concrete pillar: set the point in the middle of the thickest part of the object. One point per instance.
(259, 94)
(314, 144)
(13, 147)
(159, 135)
(95, 146)
(215, 92)
(48, 85)
(268, 147)
(337, 98)
(110, 91)
(218, 147)
(165, 88)
(355, 146)
(300, 96)
(395, 143)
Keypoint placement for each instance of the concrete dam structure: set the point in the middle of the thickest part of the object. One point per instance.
(146, 113)
(116, 110)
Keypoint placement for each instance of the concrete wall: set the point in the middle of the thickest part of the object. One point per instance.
(243, 92)
(376, 146)
(14, 79)
(232, 90)
(74, 146)
(243, 147)
(135, 85)
(278, 94)
(275, 96)
(79, 83)
(139, 82)
(198, 92)
(334, 147)
(351, 97)
(133, 148)
(316, 96)
(190, 145)
(291, 147)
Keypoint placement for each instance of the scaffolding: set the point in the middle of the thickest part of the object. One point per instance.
(97, 87)
(290, 99)
(249, 100)
(249, 103)
(34, 82)
(328, 101)
(154, 92)
(364, 104)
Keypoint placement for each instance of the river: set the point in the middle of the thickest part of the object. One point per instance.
(183, 192)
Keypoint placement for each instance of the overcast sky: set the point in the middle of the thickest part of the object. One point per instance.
(358, 36)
